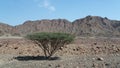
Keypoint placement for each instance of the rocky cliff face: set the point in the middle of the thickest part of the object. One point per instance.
(96, 26)
(5, 29)
(55, 25)
(88, 26)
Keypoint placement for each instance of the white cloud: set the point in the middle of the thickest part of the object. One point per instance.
(47, 5)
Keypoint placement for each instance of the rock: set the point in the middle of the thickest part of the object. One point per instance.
(58, 66)
(74, 49)
(77, 66)
(50, 65)
(107, 64)
(77, 49)
(1, 45)
(61, 48)
(93, 58)
(100, 59)
(15, 48)
(95, 43)
(117, 54)
(95, 65)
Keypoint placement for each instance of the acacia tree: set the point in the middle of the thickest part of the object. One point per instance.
(50, 42)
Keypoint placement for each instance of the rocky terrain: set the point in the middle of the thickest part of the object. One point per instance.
(88, 26)
(97, 44)
(84, 52)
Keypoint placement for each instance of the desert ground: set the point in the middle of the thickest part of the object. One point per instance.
(87, 52)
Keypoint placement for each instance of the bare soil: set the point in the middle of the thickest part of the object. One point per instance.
(82, 53)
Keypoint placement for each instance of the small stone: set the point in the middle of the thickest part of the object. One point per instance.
(95, 43)
(107, 64)
(95, 65)
(61, 48)
(93, 58)
(98, 47)
(77, 49)
(100, 58)
(15, 47)
(50, 65)
(77, 66)
(74, 49)
(1, 45)
(58, 66)
(117, 54)
(65, 46)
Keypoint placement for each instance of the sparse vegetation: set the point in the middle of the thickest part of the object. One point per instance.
(50, 42)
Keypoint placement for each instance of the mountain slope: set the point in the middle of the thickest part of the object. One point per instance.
(95, 26)
(5, 29)
(55, 25)
(88, 26)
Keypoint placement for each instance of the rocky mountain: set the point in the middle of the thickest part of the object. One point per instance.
(5, 29)
(88, 26)
(96, 26)
(55, 25)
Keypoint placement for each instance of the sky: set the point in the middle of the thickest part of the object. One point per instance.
(15, 12)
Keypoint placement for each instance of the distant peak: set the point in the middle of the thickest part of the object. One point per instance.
(89, 16)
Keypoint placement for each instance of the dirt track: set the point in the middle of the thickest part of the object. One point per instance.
(82, 53)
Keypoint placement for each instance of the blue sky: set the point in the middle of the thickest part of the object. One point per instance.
(14, 12)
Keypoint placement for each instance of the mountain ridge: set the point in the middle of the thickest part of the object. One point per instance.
(88, 26)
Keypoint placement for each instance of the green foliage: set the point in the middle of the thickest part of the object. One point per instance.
(50, 36)
(50, 42)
